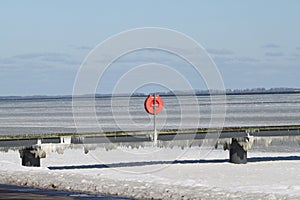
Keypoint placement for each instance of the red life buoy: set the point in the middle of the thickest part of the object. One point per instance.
(149, 104)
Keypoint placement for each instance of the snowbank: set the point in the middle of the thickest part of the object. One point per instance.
(150, 173)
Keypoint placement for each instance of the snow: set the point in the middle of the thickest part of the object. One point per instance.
(148, 172)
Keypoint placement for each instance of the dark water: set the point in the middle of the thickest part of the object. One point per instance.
(16, 192)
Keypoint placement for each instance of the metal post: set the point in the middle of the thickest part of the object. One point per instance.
(29, 158)
(237, 154)
(154, 122)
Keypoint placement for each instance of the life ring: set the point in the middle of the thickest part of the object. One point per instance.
(149, 104)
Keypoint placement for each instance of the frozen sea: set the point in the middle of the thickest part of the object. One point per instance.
(55, 115)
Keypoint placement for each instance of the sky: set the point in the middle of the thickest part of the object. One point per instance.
(43, 43)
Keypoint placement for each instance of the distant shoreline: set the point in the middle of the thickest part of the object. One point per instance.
(296, 91)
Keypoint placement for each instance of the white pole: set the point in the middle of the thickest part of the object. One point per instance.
(154, 122)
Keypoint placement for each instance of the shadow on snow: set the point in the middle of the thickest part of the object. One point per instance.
(148, 163)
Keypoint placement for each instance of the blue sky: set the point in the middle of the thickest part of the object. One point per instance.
(42, 44)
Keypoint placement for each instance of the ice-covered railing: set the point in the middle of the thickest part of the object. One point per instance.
(238, 140)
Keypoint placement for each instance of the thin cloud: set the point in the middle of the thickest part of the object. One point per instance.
(148, 56)
(271, 46)
(39, 61)
(293, 57)
(274, 54)
(220, 52)
(47, 57)
(298, 48)
(6, 61)
(80, 47)
(43, 56)
(247, 59)
(237, 59)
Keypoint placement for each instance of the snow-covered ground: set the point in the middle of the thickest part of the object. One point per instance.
(145, 173)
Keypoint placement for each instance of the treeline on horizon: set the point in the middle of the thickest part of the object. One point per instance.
(228, 91)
